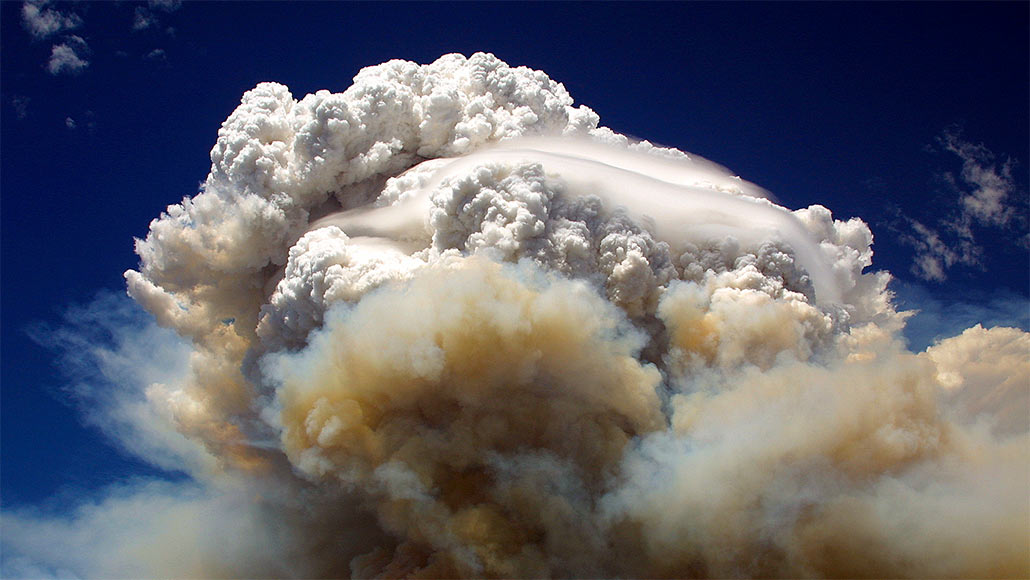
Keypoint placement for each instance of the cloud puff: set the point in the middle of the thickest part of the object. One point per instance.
(68, 57)
(42, 22)
(444, 324)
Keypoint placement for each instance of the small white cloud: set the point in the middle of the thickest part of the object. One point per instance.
(21, 106)
(143, 19)
(44, 22)
(68, 56)
(69, 122)
(156, 54)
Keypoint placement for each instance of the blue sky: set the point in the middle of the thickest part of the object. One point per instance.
(873, 110)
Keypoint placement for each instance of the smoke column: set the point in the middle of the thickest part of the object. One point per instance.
(444, 324)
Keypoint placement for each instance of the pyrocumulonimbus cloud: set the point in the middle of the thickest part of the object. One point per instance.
(444, 324)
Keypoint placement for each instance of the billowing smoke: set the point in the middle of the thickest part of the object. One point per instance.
(443, 324)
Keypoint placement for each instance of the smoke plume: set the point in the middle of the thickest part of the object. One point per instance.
(444, 324)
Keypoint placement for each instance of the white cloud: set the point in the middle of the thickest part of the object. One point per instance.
(69, 122)
(21, 105)
(935, 256)
(68, 57)
(43, 22)
(156, 54)
(143, 19)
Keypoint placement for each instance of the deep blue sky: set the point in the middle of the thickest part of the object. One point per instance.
(838, 104)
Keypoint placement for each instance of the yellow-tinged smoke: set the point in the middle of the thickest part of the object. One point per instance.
(423, 395)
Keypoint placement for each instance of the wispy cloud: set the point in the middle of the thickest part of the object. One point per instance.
(936, 255)
(21, 105)
(985, 198)
(166, 5)
(69, 56)
(69, 122)
(42, 22)
(143, 19)
(115, 359)
(989, 184)
(200, 521)
(147, 16)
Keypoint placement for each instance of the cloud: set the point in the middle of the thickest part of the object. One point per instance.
(987, 198)
(445, 324)
(991, 183)
(156, 54)
(69, 56)
(44, 22)
(145, 17)
(69, 122)
(935, 256)
(21, 105)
